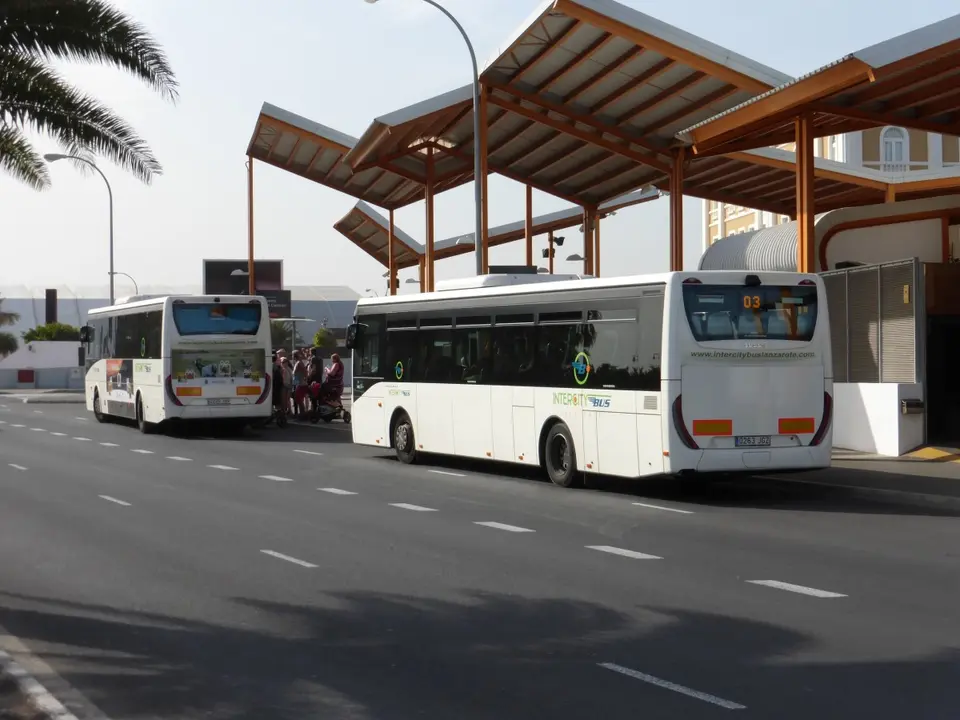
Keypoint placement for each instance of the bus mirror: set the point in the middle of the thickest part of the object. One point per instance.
(85, 334)
(353, 331)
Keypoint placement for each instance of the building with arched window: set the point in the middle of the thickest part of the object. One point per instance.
(893, 150)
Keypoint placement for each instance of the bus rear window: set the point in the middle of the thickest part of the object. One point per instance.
(216, 319)
(765, 312)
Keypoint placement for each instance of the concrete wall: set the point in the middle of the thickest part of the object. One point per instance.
(867, 418)
(886, 243)
(45, 379)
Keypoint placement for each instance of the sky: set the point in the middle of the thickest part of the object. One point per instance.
(342, 63)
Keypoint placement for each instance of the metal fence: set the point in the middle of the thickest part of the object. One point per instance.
(877, 322)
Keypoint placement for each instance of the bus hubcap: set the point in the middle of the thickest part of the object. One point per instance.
(403, 437)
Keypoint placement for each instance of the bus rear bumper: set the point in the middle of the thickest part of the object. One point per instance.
(200, 412)
(799, 458)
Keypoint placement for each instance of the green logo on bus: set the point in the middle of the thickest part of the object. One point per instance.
(398, 370)
(143, 347)
(581, 368)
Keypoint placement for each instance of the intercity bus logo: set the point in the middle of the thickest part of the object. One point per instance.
(581, 368)
(590, 401)
(398, 370)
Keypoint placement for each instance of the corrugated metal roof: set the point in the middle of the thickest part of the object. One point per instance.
(771, 249)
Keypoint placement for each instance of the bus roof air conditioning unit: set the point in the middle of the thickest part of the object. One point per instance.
(486, 281)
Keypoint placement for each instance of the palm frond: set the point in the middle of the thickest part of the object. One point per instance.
(8, 318)
(34, 96)
(86, 30)
(19, 159)
(8, 344)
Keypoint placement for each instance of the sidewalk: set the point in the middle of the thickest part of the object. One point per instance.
(44, 396)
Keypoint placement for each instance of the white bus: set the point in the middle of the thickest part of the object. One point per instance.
(179, 358)
(672, 373)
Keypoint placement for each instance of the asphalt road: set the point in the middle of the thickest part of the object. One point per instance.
(290, 574)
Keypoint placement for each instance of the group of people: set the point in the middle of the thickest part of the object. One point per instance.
(301, 382)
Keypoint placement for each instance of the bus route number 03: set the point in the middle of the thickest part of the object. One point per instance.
(751, 302)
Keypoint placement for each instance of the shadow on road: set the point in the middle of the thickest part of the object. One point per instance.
(370, 655)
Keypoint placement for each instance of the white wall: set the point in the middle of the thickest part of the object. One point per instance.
(884, 243)
(867, 418)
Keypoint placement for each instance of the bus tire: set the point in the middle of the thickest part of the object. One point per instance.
(144, 427)
(98, 413)
(560, 457)
(404, 441)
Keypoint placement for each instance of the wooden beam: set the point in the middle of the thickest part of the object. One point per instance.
(252, 283)
(588, 216)
(906, 121)
(806, 236)
(662, 96)
(777, 105)
(884, 88)
(592, 81)
(481, 147)
(391, 257)
(428, 192)
(641, 79)
(890, 196)
(596, 247)
(570, 129)
(547, 49)
(838, 176)
(528, 226)
(576, 61)
(572, 9)
(687, 110)
(676, 210)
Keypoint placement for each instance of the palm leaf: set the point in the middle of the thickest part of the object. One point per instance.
(8, 318)
(85, 30)
(34, 96)
(8, 344)
(19, 159)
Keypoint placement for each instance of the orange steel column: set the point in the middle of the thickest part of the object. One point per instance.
(588, 241)
(550, 251)
(528, 226)
(250, 269)
(422, 265)
(596, 247)
(676, 210)
(803, 128)
(391, 260)
(485, 204)
(428, 193)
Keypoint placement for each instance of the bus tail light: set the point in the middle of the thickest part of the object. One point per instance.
(266, 392)
(825, 422)
(168, 385)
(685, 437)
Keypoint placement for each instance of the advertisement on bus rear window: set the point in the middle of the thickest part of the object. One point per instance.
(218, 365)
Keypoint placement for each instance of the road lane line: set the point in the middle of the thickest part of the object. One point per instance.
(38, 695)
(668, 509)
(82, 439)
(38, 412)
(3, 422)
(308, 452)
(625, 553)
(38, 430)
(114, 500)
(275, 478)
(80, 419)
(17, 426)
(667, 685)
(444, 472)
(178, 458)
(501, 526)
(293, 560)
(109, 445)
(142, 452)
(415, 508)
(21, 468)
(801, 589)
(56, 434)
(221, 467)
(336, 491)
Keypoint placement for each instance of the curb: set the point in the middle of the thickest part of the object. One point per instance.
(37, 696)
(51, 399)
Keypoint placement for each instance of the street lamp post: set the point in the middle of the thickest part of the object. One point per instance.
(52, 158)
(477, 161)
(136, 288)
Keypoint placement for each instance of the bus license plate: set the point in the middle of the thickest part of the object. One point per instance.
(753, 441)
(218, 401)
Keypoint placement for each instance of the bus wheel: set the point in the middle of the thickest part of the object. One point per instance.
(98, 409)
(561, 457)
(403, 441)
(145, 427)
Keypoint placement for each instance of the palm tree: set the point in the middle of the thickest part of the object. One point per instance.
(34, 97)
(8, 341)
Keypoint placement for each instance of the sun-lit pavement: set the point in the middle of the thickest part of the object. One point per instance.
(290, 574)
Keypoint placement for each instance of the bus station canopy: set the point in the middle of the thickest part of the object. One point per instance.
(369, 230)
(583, 102)
(912, 80)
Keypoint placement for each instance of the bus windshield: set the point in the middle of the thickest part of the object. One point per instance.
(766, 312)
(216, 319)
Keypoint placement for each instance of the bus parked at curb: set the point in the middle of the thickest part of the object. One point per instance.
(179, 358)
(675, 373)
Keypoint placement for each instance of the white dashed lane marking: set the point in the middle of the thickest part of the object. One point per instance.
(38, 412)
(668, 509)
(445, 472)
(415, 508)
(109, 445)
(21, 468)
(80, 419)
(17, 426)
(221, 467)
(623, 553)
(114, 500)
(501, 526)
(667, 685)
(308, 452)
(38, 429)
(275, 478)
(178, 458)
(58, 434)
(295, 561)
(336, 491)
(802, 590)
(82, 439)
(142, 452)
